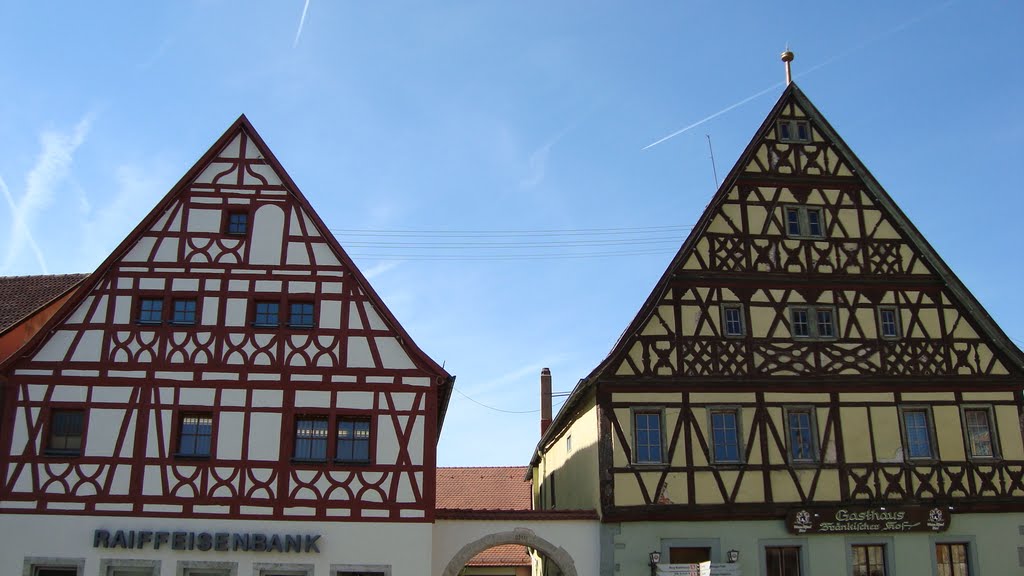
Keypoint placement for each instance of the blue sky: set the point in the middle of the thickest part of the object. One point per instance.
(489, 116)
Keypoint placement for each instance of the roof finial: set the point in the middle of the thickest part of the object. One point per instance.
(787, 57)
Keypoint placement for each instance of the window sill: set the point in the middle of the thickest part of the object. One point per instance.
(650, 464)
(191, 456)
(181, 324)
(309, 461)
(62, 453)
(354, 462)
(300, 326)
(148, 323)
(255, 325)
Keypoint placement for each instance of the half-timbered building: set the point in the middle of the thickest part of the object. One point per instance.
(226, 394)
(809, 389)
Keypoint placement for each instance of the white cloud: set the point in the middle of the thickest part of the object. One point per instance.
(51, 168)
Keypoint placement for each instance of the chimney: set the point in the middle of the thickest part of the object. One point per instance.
(545, 400)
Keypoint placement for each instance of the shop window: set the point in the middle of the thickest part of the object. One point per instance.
(804, 222)
(58, 571)
(195, 435)
(800, 427)
(261, 569)
(206, 568)
(725, 435)
(353, 442)
(688, 555)
(53, 566)
(311, 439)
(812, 322)
(782, 560)
(300, 314)
(151, 311)
(267, 314)
(951, 559)
(888, 322)
(238, 223)
(979, 432)
(184, 311)
(66, 431)
(111, 567)
(918, 436)
(868, 560)
(647, 428)
(732, 319)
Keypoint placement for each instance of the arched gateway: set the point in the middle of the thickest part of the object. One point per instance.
(523, 536)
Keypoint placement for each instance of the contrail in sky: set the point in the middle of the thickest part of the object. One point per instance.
(898, 28)
(302, 21)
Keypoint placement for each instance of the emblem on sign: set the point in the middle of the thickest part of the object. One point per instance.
(936, 520)
(803, 522)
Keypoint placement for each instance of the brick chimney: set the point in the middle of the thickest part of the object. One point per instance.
(545, 400)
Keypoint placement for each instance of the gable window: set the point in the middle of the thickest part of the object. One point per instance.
(184, 311)
(812, 322)
(804, 222)
(800, 425)
(794, 131)
(151, 311)
(353, 440)
(267, 314)
(951, 559)
(725, 435)
(238, 223)
(311, 439)
(65, 436)
(732, 319)
(888, 322)
(979, 433)
(782, 560)
(647, 425)
(917, 433)
(300, 314)
(868, 559)
(195, 434)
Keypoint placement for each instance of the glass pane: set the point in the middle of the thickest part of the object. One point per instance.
(814, 223)
(785, 132)
(800, 326)
(724, 436)
(978, 432)
(733, 323)
(825, 328)
(918, 436)
(793, 221)
(800, 437)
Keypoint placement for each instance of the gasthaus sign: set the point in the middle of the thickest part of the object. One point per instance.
(868, 519)
(206, 541)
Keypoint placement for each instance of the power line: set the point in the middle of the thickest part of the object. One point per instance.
(511, 233)
(506, 257)
(463, 394)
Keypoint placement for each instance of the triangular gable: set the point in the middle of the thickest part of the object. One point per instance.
(285, 238)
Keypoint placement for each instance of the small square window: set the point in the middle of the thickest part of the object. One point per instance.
(732, 319)
(353, 440)
(888, 322)
(151, 311)
(647, 425)
(300, 314)
(267, 314)
(800, 429)
(195, 434)
(725, 435)
(311, 439)
(978, 428)
(184, 311)
(66, 427)
(917, 431)
(238, 223)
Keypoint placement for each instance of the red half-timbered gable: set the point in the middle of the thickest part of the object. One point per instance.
(227, 360)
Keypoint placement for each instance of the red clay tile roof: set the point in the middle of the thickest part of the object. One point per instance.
(504, 555)
(482, 488)
(20, 296)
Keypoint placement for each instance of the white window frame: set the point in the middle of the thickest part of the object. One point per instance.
(203, 567)
(275, 569)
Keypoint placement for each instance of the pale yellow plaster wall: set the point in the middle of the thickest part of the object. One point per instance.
(575, 469)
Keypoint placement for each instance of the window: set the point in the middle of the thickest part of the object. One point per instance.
(782, 560)
(725, 435)
(58, 571)
(917, 433)
(311, 439)
(353, 440)
(300, 315)
(732, 319)
(195, 433)
(65, 432)
(118, 567)
(888, 322)
(794, 131)
(151, 311)
(802, 443)
(978, 429)
(804, 222)
(238, 223)
(266, 314)
(39, 566)
(184, 311)
(277, 569)
(813, 322)
(568, 443)
(951, 559)
(868, 559)
(648, 437)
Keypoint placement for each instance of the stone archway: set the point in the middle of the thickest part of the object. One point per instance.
(523, 536)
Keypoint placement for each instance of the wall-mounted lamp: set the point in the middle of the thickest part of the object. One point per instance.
(655, 559)
(733, 555)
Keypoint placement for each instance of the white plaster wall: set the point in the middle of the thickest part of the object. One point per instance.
(405, 547)
(580, 538)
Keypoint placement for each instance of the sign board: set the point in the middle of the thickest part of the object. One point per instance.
(702, 569)
(875, 519)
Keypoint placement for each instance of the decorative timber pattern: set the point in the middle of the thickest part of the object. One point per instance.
(226, 255)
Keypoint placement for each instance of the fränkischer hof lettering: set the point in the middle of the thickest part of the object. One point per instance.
(863, 519)
(206, 541)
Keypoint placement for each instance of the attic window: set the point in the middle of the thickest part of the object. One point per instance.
(794, 131)
(237, 224)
